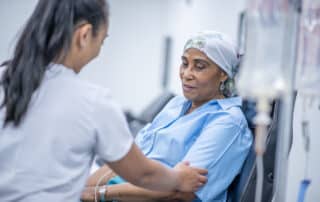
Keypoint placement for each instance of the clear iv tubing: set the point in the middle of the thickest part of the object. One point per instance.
(262, 120)
(260, 171)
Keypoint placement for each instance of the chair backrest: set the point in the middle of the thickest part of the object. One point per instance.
(148, 114)
(136, 123)
(242, 188)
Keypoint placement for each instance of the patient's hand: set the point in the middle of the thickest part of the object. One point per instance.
(88, 194)
(184, 196)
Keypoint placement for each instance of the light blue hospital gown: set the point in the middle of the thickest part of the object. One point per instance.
(214, 136)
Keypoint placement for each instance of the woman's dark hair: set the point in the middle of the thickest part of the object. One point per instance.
(45, 38)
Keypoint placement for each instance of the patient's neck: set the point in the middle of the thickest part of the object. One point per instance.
(197, 104)
(191, 109)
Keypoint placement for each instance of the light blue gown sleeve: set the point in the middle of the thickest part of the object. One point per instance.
(221, 148)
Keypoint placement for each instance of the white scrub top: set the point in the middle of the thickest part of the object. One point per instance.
(48, 157)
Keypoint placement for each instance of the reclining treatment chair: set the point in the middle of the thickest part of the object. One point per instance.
(243, 187)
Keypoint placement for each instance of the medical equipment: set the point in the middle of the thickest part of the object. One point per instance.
(267, 73)
(306, 140)
(308, 81)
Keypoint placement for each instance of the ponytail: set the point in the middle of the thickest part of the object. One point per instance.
(46, 38)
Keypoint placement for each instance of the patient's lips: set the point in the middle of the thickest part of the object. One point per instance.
(188, 88)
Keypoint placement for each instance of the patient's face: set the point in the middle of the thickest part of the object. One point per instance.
(200, 77)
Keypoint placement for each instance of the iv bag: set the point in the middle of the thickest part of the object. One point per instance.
(263, 70)
(308, 77)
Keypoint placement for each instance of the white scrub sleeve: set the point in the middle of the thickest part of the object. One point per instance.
(113, 138)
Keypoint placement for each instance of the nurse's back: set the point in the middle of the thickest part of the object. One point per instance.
(47, 156)
(47, 126)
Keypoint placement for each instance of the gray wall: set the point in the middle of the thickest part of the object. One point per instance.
(12, 24)
(131, 59)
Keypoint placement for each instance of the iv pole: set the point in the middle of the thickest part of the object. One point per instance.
(273, 29)
(286, 110)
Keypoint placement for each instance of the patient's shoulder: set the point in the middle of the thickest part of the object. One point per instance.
(231, 116)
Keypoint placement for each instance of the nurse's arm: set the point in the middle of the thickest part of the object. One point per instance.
(141, 171)
(130, 193)
(102, 175)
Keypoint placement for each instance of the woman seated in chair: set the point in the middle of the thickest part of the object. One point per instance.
(205, 127)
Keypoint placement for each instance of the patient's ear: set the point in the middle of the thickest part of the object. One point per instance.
(223, 76)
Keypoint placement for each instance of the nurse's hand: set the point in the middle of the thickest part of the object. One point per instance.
(190, 178)
(88, 194)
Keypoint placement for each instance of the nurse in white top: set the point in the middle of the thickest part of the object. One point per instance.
(53, 123)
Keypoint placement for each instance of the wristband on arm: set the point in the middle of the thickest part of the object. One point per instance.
(102, 191)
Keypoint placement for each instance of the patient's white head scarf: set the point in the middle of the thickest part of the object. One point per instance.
(219, 48)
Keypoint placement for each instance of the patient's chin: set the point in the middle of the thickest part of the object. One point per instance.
(189, 95)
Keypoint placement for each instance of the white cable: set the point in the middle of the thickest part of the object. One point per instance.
(262, 121)
(98, 183)
(260, 173)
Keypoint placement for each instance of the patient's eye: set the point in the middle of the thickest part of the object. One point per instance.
(200, 66)
(184, 63)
